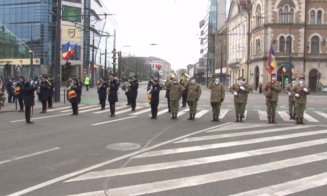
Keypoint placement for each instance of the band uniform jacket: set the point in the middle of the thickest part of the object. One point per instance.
(175, 91)
(102, 90)
(44, 87)
(155, 91)
(77, 89)
(27, 94)
(271, 91)
(242, 94)
(133, 89)
(217, 92)
(194, 92)
(303, 95)
(19, 85)
(113, 91)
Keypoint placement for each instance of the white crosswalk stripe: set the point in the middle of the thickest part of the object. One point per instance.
(284, 115)
(262, 115)
(201, 113)
(223, 113)
(181, 113)
(107, 110)
(321, 114)
(309, 118)
(81, 108)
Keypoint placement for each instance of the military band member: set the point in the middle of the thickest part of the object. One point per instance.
(240, 92)
(102, 93)
(170, 78)
(154, 92)
(175, 94)
(291, 99)
(184, 81)
(134, 85)
(300, 92)
(193, 95)
(50, 91)
(113, 94)
(216, 98)
(42, 92)
(27, 93)
(74, 95)
(18, 94)
(271, 90)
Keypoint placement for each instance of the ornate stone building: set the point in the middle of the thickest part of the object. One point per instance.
(295, 29)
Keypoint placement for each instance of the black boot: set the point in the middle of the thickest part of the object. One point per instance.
(273, 120)
(291, 116)
(217, 118)
(191, 117)
(301, 121)
(213, 118)
(237, 119)
(269, 120)
(297, 121)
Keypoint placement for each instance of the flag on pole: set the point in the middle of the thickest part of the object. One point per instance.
(68, 51)
(272, 64)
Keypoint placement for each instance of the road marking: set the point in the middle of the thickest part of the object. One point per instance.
(79, 172)
(245, 114)
(227, 144)
(127, 110)
(196, 161)
(110, 121)
(213, 137)
(289, 187)
(309, 118)
(62, 108)
(262, 115)
(107, 110)
(162, 112)
(29, 155)
(285, 116)
(223, 113)
(42, 117)
(81, 108)
(322, 114)
(140, 112)
(166, 185)
(179, 114)
(201, 113)
(237, 126)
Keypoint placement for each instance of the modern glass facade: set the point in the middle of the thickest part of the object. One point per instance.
(32, 22)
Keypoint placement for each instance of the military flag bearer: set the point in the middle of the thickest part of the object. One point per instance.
(271, 90)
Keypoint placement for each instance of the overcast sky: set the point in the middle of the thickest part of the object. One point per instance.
(171, 24)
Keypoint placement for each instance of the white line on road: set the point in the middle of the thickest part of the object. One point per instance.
(29, 155)
(140, 112)
(179, 114)
(107, 110)
(110, 121)
(42, 117)
(309, 118)
(237, 126)
(62, 108)
(284, 115)
(127, 110)
(201, 113)
(262, 115)
(81, 108)
(162, 112)
(79, 172)
(223, 113)
(196, 161)
(321, 114)
(227, 144)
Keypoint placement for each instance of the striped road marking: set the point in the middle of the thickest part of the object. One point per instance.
(223, 113)
(80, 108)
(262, 115)
(107, 110)
(201, 113)
(62, 108)
(127, 110)
(182, 112)
(285, 116)
(140, 112)
(322, 114)
(309, 118)
(111, 121)
(238, 126)
(162, 112)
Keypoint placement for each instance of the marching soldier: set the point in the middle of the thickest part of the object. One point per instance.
(291, 99)
(27, 94)
(300, 92)
(102, 92)
(74, 95)
(271, 90)
(193, 95)
(154, 92)
(184, 81)
(216, 98)
(240, 92)
(169, 80)
(42, 92)
(175, 94)
(18, 94)
(133, 92)
(113, 94)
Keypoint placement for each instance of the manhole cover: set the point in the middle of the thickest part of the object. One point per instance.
(124, 146)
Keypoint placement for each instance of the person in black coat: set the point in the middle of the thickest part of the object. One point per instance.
(113, 94)
(154, 102)
(9, 89)
(43, 89)
(133, 92)
(74, 95)
(27, 94)
(50, 92)
(102, 92)
(18, 93)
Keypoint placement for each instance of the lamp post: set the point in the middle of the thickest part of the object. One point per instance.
(31, 63)
(57, 64)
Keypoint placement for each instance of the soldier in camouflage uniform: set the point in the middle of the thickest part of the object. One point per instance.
(216, 98)
(291, 99)
(240, 92)
(300, 92)
(271, 90)
(175, 94)
(193, 95)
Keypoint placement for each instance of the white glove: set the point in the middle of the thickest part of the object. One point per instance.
(289, 94)
(297, 95)
(305, 89)
(235, 93)
(242, 88)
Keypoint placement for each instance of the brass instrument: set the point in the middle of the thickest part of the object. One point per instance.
(185, 79)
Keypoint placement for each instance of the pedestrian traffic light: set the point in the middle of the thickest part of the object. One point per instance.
(286, 78)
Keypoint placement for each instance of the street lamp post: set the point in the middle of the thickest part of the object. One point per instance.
(31, 63)
(57, 64)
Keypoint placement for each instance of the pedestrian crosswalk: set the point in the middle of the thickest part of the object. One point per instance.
(202, 113)
(270, 160)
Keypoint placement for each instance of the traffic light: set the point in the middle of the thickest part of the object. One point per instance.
(286, 78)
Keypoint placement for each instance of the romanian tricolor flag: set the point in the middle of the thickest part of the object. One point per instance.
(68, 51)
(272, 64)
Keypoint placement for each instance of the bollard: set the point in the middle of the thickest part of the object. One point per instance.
(64, 96)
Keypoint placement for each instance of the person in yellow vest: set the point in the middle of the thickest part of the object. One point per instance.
(87, 82)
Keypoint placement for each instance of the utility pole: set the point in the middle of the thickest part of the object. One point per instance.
(119, 65)
(114, 58)
(92, 63)
(105, 62)
(57, 64)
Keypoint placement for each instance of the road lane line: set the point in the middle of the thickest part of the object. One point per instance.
(246, 133)
(42, 117)
(223, 113)
(309, 118)
(140, 112)
(184, 182)
(201, 113)
(89, 110)
(262, 115)
(81, 108)
(181, 113)
(79, 172)
(62, 108)
(227, 144)
(289, 187)
(127, 110)
(238, 126)
(110, 121)
(107, 110)
(285, 116)
(162, 112)
(321, 114)
(29, 155)
(195, 161)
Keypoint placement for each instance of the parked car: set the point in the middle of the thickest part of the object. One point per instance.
(324, 89)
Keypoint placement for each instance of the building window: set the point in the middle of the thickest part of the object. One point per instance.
(289, 44)
(281, 15)
(312, 17)
(319, 17)
(286, 11)
(315, 45)
(258, 16)
(291, 15)
(282, 44)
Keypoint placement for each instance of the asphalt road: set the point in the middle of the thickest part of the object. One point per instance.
(93, 154)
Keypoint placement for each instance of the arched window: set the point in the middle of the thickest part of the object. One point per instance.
(312, 17)
(258, 16)
(291, 15)
(286, 14)
(319, 17)
(259, 46)
(281, 15)
(282, 44)
(289, 44)
(315, 45)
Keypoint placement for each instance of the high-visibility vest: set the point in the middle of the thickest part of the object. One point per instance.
(87, 81)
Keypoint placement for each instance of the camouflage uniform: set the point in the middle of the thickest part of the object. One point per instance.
(271, 90)
(216, 98)
(175, 93)
(193, 95)
(300, 101)
(240, 99)
(291, 102)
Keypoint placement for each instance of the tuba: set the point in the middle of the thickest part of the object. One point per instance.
(185, 80)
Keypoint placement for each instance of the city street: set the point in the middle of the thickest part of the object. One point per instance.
(130, 154)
